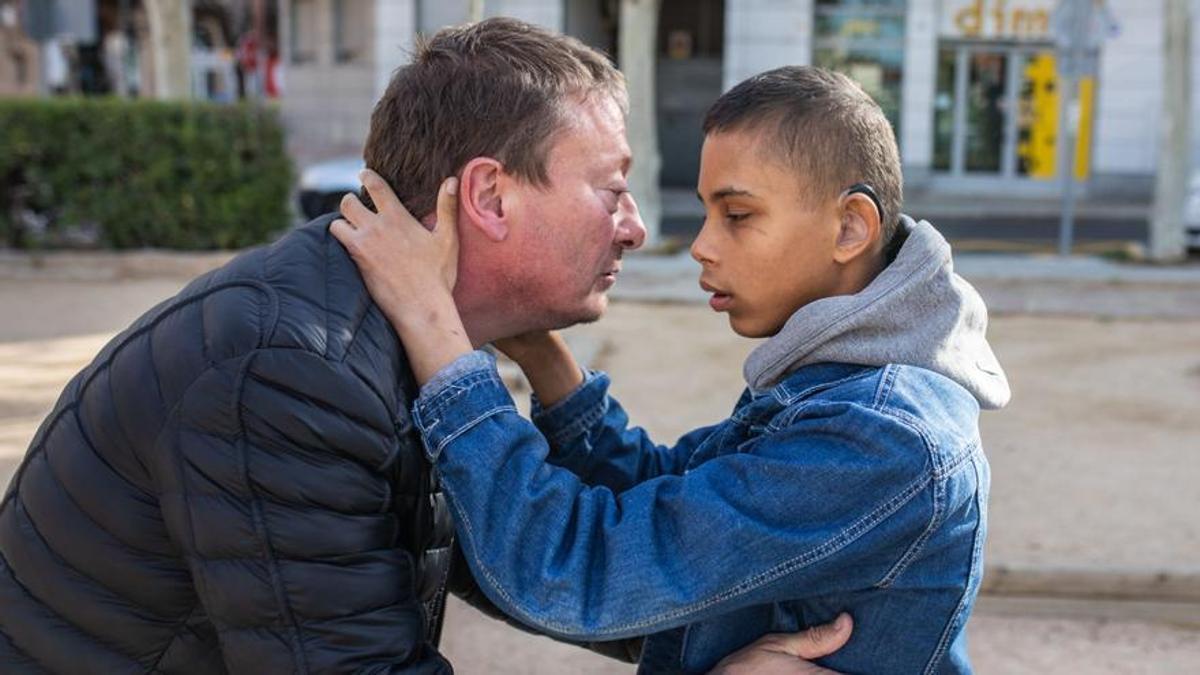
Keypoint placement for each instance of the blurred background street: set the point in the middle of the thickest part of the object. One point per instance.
(1094, 549)
(144, 142)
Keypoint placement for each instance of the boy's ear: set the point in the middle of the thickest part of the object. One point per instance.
(481, 199)
(859, 229)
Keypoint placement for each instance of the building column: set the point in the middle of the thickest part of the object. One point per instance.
(394, 39)
(639, 56)
(919, 87)
(765, 34)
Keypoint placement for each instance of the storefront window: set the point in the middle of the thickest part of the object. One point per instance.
(865, 40)
(996, 109)
(304, 31)
(351, 36)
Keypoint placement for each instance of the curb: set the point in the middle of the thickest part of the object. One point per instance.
(648, 276)
(108, 265)
(1083, 583)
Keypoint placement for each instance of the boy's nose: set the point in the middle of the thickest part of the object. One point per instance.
(701, 250)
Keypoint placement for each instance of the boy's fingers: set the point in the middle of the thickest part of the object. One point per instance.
(447, 207)
(381, 193)
(817, 641)
(354, 210)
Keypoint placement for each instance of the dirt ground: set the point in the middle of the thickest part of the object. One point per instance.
(1094, 463)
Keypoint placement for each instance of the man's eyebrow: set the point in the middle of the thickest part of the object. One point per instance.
(725, 193)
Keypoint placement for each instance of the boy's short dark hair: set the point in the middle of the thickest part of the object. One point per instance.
(822, 124)
(496, 88)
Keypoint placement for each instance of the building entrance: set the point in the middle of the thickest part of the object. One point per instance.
(996, 111)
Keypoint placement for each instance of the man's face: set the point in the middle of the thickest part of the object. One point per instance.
(574, 230)
(766, 251)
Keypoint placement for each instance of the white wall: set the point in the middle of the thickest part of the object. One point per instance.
(545, 13)
(919, 85)
(765, 34)
(1196, 84)
(1129, 101)
(395, 31)
(435, 15)
(326, 106)
(399, 21)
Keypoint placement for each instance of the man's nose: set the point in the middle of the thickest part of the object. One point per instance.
(631, 231)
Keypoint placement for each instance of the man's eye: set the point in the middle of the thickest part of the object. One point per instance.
(616, 193)
(736, 217)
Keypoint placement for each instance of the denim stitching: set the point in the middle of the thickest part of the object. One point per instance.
(467, 426)
(886, 383)
(957, 618)
(808, 392)
(942, 467)
(918, 545)
(581, 424)
(460, 387)
(589, 377)
(846, 537)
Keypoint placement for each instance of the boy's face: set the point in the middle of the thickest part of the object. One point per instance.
(766, 250)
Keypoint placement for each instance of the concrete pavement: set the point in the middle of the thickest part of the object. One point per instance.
(1094, 498)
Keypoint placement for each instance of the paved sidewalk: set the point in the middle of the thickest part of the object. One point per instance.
(1011, 284)
(1094, 464)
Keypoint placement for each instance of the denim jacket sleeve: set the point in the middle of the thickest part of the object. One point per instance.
(819, 506)
(589, 434)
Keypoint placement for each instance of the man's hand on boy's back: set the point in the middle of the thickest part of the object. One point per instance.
(788, 653)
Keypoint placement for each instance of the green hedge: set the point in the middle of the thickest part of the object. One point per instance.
(141, 173)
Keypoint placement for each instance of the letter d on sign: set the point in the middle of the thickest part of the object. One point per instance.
(969, 20)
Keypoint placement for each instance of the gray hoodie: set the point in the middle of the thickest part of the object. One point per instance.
(917, 312)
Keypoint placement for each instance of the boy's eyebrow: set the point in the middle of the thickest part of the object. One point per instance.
(724, 193)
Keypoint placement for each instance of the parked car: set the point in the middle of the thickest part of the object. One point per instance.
(322, 185)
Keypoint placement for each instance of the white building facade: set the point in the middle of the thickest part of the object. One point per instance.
(971, 85)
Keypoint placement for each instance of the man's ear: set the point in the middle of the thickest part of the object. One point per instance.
(859, 230)
(480, 189)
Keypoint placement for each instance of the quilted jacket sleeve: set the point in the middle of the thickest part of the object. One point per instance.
(279, 496)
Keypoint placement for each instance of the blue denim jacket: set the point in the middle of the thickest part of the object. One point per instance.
(843, 488)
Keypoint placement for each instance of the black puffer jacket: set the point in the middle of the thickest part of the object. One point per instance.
(233, 484)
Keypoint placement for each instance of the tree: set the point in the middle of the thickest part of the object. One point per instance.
(1175, 148)
(170, 47)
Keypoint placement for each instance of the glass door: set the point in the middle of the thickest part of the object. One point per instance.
(995, 111)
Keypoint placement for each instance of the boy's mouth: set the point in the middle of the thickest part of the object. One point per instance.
(721, 300)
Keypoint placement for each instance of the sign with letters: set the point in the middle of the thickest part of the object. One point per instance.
(1009, 20)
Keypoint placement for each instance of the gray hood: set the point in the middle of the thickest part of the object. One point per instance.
(917, 312)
